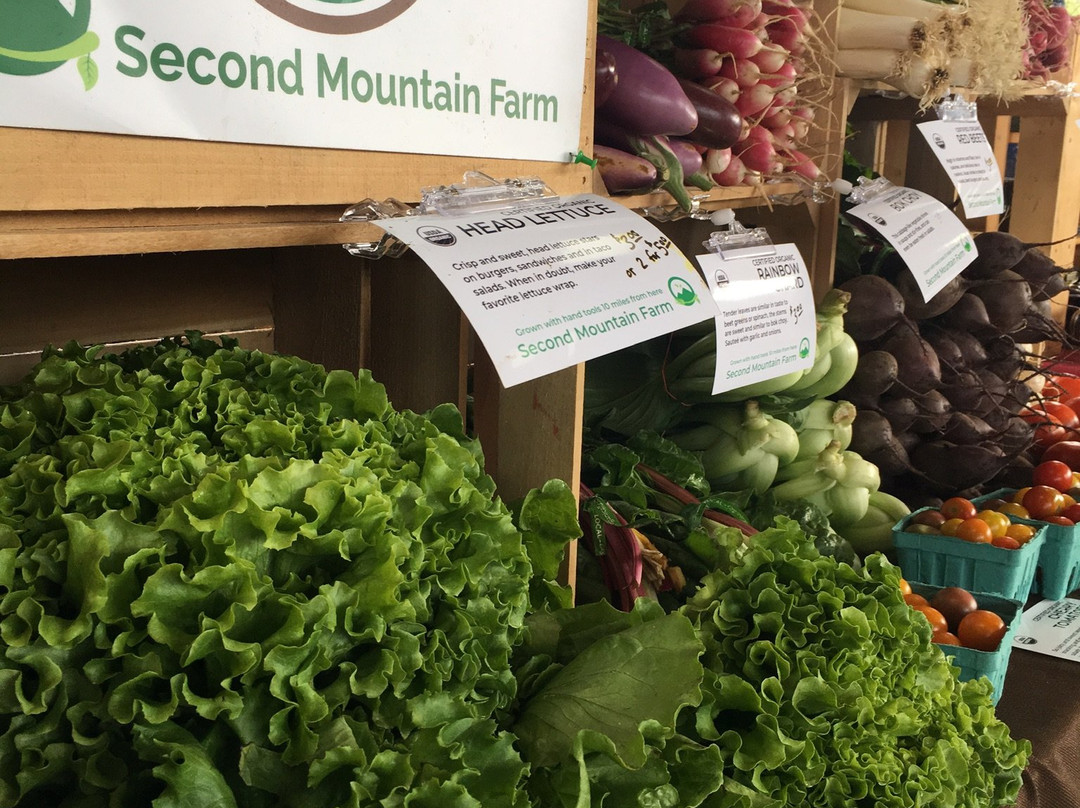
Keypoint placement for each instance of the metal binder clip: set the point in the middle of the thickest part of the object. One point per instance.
(479, 192)
(736, 241)
(368, 211)
(869, 189)
(954, 108)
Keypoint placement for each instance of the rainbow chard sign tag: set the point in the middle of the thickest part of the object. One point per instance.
(487, 78)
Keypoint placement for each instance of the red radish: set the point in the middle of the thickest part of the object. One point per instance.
(783, 136)
(697, 63)
(770, 58)
(742, 71)
(1061, 25)
(709, 10)
(716, 161)
(785, 33)
(647, 98)
(759, 22)
(736, 42)
(784, 76)
(801, 164)
(755, 100)
(790, 11)
(733, 175)
(757, 151)
(726, 88)
(777, 117)
(801, 126)
(753, 178)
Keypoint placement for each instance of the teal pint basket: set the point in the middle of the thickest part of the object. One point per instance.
(974, 663)
(1058, 571)
(939, 560)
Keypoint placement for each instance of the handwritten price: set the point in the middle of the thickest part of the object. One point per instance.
(651, 251)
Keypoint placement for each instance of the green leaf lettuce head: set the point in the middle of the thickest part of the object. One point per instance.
(231, 578)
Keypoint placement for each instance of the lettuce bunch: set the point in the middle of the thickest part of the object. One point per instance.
(236, 579)
(819, 688)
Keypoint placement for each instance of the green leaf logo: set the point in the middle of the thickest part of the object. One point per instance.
(39, 37)
(804, 348)
(682, 291)
(967, 245)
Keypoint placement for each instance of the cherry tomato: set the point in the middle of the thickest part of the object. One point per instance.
(1021, 533)
(936, 619)
(946, 638)
(951, 526)
(1014, 509)
(958, 508)
(1058, 519)
(1005, 542)
(905, 587)
(975, 530)
(954, 602)
(1072, 512)
(1069, 384)
(981, 630)
(922, 530)
(1048, 427)
(1018, 497)
(1068, 498)
(1063, 412)
(993, 504)
(915, 601)
(931, 517)
(998, 521)
(1052, 473)
(1042, 501)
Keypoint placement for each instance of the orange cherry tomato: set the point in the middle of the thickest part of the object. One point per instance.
(1021, 533)
(982, 630)
(1018, 497)
(998, 521)
(1014, 509)
(946, 638)
(935, 618)
(915, 601)
(975, 530)
(951, 526)
(1005, 542)
(905, 587)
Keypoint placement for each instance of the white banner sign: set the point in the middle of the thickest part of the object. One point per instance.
(482, 78)
(964, 152)
(767, 326)
(1051, 627)
(549, 284)
(935, 245)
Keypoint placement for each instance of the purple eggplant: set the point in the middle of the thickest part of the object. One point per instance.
(689, 158)
(606, 77)
(647, 98)
(719, 122)
(623, 172)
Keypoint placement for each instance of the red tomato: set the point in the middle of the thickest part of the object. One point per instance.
(1060, 519)
(946, 638)
(1005, 542)
(1063, 412)
(1053, 473)
(915, 600)
(1069, 384)
(981, 630)
(958, 508)
(1042, 501)
(975, 530)
(954, 603)
(1048, 427)
(1072, 512)
(1065, 451)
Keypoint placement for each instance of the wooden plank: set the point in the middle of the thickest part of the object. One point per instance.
(419, 342)
(894, 153)
(322, 305)
(49, 170)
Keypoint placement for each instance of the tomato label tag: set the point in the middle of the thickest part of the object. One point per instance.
(1051, 627)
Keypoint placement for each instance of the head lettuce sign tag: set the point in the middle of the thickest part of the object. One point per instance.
(495, 80)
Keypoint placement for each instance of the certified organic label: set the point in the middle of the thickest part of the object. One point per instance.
(1051, 627)
(935, 245)
(964, 152)
(766, 325)
(550, 284)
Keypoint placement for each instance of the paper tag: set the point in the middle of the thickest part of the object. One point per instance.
(964, 152)
(549, 284)
(1051, 627)
(766, 326)
(934, 244)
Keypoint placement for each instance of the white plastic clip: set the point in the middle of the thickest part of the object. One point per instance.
(479, 192)
(736, 241)
(369, 211)
(954, 108)
(869, 189)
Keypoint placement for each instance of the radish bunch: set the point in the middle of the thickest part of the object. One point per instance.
(1049, 30)
(751, 53)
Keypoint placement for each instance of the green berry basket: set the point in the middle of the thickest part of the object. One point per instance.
(939, 560)
(972, 662)
(1058, 571)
